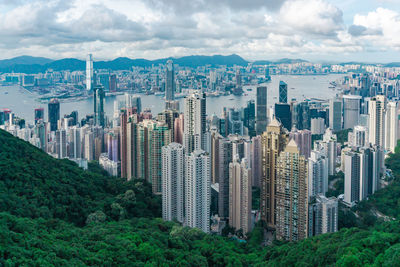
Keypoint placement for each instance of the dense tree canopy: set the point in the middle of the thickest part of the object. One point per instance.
(53, 213)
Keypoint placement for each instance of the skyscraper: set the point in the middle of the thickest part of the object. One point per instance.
(173, 187)
(273, 142)
(54, 113)
(351, 111)
(98, 98)
(283, 115)
(283, 92)
(291, 194)
(240, 195)
(391, 126)
(303, 141)
(39, 114)
(335, 114)
(261, 106)
(195, 123)
(89, 72)
(376, 110)
(169, 81)
(198, 190)
(317, 174)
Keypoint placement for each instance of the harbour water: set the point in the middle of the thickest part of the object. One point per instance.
(23, 103)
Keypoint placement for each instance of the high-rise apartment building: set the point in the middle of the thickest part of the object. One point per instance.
(198, 190)
(376, 111)
(323, 216)
(391, 126)
(240, 195)
(273, 141)
(291, 194)
(317, 174)
(195, 123)
(173, 187)
(39, 114)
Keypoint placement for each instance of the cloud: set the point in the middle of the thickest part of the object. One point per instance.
(316, 17)
(255, 29)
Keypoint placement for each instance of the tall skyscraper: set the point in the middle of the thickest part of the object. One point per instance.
(173, 187)
(335, 114)
(351, 111)
(198, 190)
(89, 72)
(195, 123)
(256, 165)
(391, 126)
(240, 195)
(273, 141)
(54, 114)
(98, 98)
(283, 92)
(169, 81)
(291, 194)
(224, 159)
(283, 115)
(39, 114)
(41, 133)
(261, 106)
(376, 111)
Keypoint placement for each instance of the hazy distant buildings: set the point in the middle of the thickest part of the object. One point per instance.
(169, 81)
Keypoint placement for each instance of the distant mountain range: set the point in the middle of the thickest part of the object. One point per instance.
(28, 64)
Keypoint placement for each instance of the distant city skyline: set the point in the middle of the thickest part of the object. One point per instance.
(315, 30)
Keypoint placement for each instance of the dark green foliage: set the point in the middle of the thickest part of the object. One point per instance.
(33, 184)
(53, 213)
(343, 135)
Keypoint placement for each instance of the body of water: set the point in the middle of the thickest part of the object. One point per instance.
(23, 103)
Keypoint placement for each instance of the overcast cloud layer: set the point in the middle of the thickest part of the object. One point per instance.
(344, 30)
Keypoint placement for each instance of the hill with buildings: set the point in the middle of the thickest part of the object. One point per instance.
(54, 213)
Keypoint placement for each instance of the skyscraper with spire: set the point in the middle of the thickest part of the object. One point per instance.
(273, 141)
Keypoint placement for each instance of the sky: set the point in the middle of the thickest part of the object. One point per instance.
(316, 30)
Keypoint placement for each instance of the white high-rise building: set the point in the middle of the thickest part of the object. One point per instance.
(198, 190)
(391, 126)
(195, 123)
(376, 111)
(240, 195)
(173, 188)
(89, 72)
(351, 111)
(359, 137)
(317, 174)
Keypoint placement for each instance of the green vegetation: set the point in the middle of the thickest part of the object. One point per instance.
(343, 135)
(336, 185)
(53, 213)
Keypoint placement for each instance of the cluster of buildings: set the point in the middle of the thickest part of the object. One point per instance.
(206, 167)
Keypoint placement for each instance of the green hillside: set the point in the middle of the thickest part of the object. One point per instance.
(52, 213)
